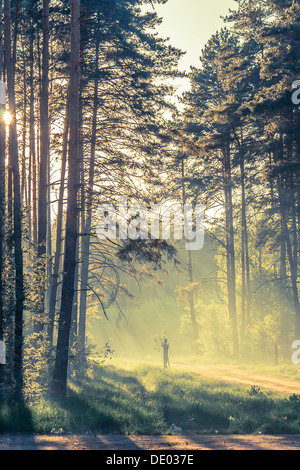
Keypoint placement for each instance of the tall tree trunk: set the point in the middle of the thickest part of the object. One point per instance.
(284, 322)
(189, 265)
(32, 187)
(59, 223)
(246, 286)
(2, 214)
(74, 319)
(17, 220)
(49, 223)
(24, 179)
(59, 382)
(49, 240)
(87, 198)
(80, 228)
(43, 166)
(230, 255)
(2, 194)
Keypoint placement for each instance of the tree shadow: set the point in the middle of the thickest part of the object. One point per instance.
(16, 418)
(113, 402)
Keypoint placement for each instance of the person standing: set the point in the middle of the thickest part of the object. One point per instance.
(165, 346)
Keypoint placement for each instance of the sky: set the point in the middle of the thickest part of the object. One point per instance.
(190, 23)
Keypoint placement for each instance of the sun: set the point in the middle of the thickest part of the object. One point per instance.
(7, 118)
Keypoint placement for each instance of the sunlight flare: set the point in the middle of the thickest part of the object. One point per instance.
(7, 118)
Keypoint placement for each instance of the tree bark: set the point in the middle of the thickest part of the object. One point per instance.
(17, 214)
(230, 251)
(246, 286)
(43, 166)
(189, 266)
(2, 202)
(87, 221)
(59, 223)
(59, 382)
(32, 187)
(24, 179)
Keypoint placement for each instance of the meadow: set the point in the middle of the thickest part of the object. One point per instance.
(149, 400)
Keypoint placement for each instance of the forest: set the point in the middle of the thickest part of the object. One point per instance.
(89, 113)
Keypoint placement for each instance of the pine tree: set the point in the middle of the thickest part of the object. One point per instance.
(17, 208)
(212, 122)
(59, 382)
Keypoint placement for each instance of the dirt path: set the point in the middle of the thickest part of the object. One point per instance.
(234, 375)
(115, 442)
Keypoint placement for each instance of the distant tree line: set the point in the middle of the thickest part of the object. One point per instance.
(245, 164)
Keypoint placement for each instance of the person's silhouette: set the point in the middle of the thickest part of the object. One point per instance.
(165, 346)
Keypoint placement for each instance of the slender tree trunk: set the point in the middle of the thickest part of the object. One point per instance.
(2, 215)
(87, 220)
(2, 232)
(231, 282)
(246, 287)
(49, 222)
(74, 320)
(294, 230)
(15, 34)
(284, 323)
(2, 196)
(59, 223)
(24, 179)
(43, 165)
(59, 383)
(49, 240)
(191, 297)
(189, 266)
(80, 227)
(17, 220)
(32, 187)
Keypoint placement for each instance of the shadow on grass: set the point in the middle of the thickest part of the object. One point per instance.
(16, 418)
(118, 401)
(113, 402)
(149, 401)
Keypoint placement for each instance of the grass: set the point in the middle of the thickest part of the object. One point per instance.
(147, 400)
(289, 371)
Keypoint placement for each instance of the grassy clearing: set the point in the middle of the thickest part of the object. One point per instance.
(289, 371)
(147, 400)
(284, 370)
